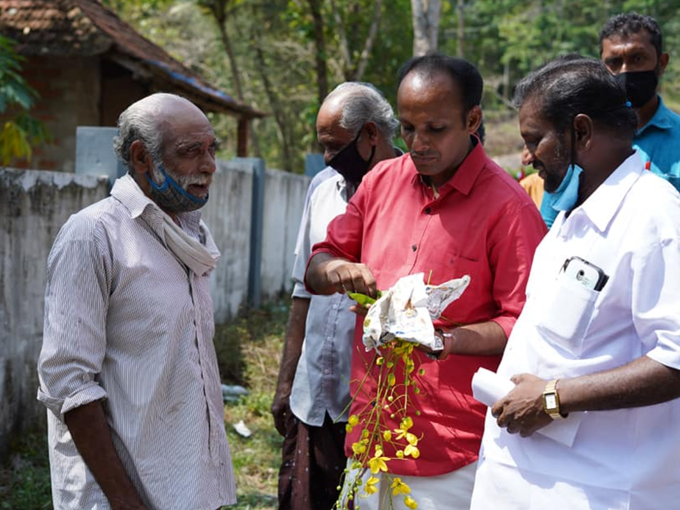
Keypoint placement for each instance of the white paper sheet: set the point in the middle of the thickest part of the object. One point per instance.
(488, 387)
(407, 309)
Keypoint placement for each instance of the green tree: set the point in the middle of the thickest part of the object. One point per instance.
(19, 131)
(508, 38)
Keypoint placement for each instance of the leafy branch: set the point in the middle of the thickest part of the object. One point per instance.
(19, 131)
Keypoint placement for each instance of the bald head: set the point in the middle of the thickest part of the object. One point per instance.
(152, 120)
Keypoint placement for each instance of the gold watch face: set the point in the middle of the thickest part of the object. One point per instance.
(550, 402)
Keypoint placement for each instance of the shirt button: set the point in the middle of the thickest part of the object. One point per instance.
(414, 247)
(428, 210)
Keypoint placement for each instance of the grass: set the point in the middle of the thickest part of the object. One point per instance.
(249, 351)
(25, 480)
(257, 458)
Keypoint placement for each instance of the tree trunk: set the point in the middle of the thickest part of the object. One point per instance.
(236, 75)
(506, 82)
(425, 14)
(277, 107)
(344, 43)
(460, 53)
(321, 64)
(370, 39)
(219, 12)
(352, 71)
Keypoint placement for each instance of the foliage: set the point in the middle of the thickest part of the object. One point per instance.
(18, 131)
(275, 41)
(25, 481)
(509, 38)
(256, 459)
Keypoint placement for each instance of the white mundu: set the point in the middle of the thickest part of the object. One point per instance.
(622, 459)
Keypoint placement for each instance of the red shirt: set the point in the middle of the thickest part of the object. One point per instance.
(483, 224)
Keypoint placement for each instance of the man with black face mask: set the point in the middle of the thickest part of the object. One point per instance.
(355, 126)
(631, 48)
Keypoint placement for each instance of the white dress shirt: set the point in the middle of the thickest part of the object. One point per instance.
(622, 459)
(128, 324)
(321, 382)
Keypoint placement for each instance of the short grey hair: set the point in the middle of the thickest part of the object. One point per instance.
(363, 103)
(141, 121)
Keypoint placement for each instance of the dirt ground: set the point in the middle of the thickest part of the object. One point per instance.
(503, 142)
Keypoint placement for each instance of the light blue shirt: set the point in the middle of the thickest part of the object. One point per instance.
(321, 382)
(657, 143)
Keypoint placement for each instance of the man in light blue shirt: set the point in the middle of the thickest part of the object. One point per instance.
(658, 144)
(631, 48)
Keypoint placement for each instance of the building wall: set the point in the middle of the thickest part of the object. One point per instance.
(118, 91)
(284, 198)
(35, 204)
(69, 90)
(228, 216)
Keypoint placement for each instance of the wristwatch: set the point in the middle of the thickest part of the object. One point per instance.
(442, 336)
(551, 401)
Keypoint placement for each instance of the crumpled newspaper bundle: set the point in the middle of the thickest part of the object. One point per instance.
(407, 309)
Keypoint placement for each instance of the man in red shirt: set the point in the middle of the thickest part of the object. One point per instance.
(446, 210)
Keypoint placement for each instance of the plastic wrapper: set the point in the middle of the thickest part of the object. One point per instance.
(407, 309)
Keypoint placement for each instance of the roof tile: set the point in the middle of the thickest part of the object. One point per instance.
(87, 28)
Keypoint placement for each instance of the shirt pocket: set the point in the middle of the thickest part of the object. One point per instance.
(477, 299)
(567, 314)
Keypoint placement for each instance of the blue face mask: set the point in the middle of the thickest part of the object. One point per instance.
(563, 198)
(171, 197)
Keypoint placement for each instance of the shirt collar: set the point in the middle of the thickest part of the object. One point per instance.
(604, 203)
(661, 119)
(466, 174)
(127, 192)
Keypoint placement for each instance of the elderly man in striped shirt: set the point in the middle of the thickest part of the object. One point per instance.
(128, 370)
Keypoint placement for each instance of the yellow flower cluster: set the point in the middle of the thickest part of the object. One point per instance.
(391, 399)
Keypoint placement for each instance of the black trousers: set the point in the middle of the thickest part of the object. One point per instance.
(313, 460)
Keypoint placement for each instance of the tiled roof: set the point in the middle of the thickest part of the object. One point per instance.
(86, 27)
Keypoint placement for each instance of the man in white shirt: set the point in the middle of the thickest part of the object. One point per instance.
(355, 126)
(595, 354)
(128, 370)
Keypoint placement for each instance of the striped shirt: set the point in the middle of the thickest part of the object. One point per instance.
(127, 323)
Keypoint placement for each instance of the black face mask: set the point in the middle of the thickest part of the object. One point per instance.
(349, 163)
(640, 86)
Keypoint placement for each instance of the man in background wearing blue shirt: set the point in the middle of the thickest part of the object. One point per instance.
(631, 48)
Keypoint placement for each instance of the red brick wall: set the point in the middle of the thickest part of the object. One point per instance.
(119, 91)
(70, 90)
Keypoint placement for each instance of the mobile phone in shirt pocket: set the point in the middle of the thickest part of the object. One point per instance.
(567, 313)
(584, 272)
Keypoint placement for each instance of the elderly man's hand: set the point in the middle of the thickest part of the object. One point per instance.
(280, 410)
(521, 410)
